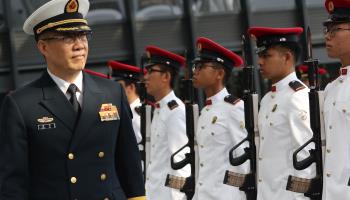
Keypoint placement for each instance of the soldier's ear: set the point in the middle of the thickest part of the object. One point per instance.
(42, 46)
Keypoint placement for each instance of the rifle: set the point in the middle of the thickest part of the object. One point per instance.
(311, 188)
(145, 117)
(246, 182)
(186, 184)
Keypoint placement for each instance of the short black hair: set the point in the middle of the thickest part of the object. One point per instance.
(293, 47)
(173, 73)
(132, 82)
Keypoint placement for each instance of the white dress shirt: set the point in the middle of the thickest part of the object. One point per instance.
(136, 119)
(337, 125)
(284, 125)
(220, 127)
(63, 85)
(168, 134)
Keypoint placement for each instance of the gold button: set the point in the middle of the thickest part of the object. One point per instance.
(344, 110)
(101, 154)
(266, 116)
(262, 138)
(328, 150)
(271, 124)
(328, 175)
(103, 177)
(334, 103)
(73, 180)
(202, 165)
(260, 180)
(212, 133)
(106, 198)
(202, 146)
(260, 158)
(330, 127)
(70, 156)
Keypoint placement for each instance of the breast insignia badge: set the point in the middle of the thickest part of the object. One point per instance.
(109, 112)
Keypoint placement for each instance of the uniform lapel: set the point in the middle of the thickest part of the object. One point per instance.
(56, 102)
(92, 100)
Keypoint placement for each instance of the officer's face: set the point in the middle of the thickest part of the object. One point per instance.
(64, 53)
(205, 74)
(154, 80)
(272, 64)
(337, 36)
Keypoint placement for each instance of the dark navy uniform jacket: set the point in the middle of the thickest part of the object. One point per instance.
(45, 155)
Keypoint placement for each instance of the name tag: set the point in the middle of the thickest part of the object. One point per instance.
(46, 126)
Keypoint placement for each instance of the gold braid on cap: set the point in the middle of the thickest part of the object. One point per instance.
(53, 24)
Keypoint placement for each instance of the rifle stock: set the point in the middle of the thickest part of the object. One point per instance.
(246, 182)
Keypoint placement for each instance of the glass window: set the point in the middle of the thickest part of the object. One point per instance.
(216, 6)
(262, 5)
(105, 11)
(146, 9)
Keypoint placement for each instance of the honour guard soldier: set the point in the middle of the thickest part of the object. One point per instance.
(283, 120)
(336, 184)
(168, 127)
(128, 76)
(221, 123)
(68, 134)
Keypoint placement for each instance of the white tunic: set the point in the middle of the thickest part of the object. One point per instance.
(284, 125)
(220, 127)
(337, 127)
(136, 119)
(168, 134)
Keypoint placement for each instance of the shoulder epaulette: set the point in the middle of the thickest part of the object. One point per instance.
(232, 99)
(296, 85)
(138, 110)
(172, 104)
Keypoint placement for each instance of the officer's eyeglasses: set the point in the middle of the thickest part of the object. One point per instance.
(151, 70)
(202, 65)
(71, 37)
(333, 30)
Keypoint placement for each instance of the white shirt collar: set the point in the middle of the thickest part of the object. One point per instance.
(218, 97)
(63, 85)
(135, 103)
(164, 101)
(280, 85)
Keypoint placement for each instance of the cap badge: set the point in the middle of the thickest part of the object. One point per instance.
(72, 6)
(330, 6)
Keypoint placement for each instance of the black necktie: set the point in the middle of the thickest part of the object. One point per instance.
(72, 89)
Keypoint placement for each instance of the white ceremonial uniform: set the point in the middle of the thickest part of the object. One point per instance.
(136, 119)
(220, 127)
(168, 134)
(284, 125)
(337, 125)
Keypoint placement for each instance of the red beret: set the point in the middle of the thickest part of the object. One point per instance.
(266, 36)
(156, 55)
(89, 71)
(122, 71)
(339, 11)
(208, 50)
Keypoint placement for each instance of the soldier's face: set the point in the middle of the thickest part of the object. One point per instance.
(272, 64)
(205, 75)
(337, 37)
(154, 80)
(64, 53)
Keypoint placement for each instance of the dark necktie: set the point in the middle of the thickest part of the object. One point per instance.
(72, 90)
